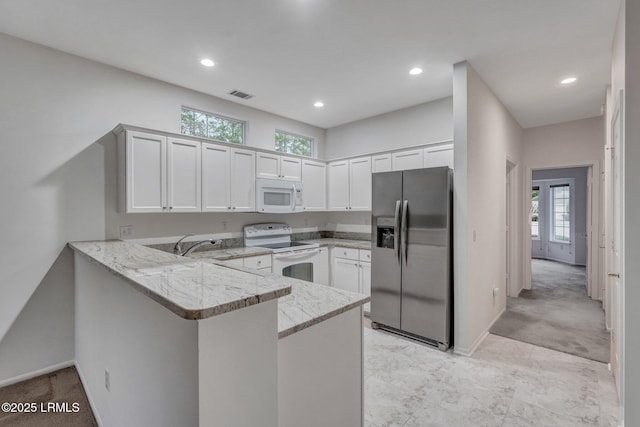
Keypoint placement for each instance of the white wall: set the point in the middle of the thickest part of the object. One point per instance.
(575, 143)
(577, 253)
(53, 108)
(485, 137)
(420, 124)
(627, 79)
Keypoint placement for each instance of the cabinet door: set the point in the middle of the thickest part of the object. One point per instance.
(365, 282)
(440, 155)
(314, 180)
(216, 171)
(365, 278)
(146, 172)
(267, 166)
(290, 168)
(339, 185)
(360, 184)
(183, 175)
(243, 180)
(405, 160)
(346, 274)
(381, 163)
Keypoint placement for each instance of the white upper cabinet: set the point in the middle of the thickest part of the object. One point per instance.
(243, 180)
(314, 180)
(290, 168)
(381, 163)
(228, 179)
(144, 158)
(274, 166)
(161, 174)
(360, 184)
(216, 178)
(338, 185)
(350, 184)
(408, 159)
(268, 166)
(438, 155)
(183, 175)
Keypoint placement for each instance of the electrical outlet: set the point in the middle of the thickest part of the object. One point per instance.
(107, 380)
(496, 291)
(126, 231)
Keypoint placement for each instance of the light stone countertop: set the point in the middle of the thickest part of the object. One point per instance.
(201, 288)
(343, 243)
(231, 253)
(311, 303)
(192, 289)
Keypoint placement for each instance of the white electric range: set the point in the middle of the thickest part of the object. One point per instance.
(305, 261)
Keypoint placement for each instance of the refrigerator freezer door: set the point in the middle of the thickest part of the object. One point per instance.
(426, 305)
(386, 271)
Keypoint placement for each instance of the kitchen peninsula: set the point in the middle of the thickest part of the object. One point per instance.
(168, 340)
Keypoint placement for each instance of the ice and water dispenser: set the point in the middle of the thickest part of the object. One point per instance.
(386, 229)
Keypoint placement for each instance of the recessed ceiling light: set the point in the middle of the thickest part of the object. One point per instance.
(318, 104)
(415, 71)
(207, 62)
(568, 80)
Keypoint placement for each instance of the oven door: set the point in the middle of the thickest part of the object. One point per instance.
(311, 265)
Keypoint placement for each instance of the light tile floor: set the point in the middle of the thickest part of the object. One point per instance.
(505, 383)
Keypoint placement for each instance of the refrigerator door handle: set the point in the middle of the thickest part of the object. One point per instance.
(405, 240)
(396, 235)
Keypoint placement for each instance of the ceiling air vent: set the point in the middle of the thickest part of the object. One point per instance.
(240, 94)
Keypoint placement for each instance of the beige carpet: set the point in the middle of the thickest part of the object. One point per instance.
(62, 387)
(556, 313)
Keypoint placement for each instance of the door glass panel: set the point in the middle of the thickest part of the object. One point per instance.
(302, 271)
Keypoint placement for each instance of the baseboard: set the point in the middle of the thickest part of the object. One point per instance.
(469, 352)
(37, 373)
(87, 392)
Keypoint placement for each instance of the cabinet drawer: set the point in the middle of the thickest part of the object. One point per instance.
(235, 262)
(345, 253)
(365, 255)
(256, 262)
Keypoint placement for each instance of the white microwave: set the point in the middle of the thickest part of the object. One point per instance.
(278, 196)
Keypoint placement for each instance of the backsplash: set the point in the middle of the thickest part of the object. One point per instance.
(238, 242)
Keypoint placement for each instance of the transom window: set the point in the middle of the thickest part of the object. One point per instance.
(209, 125)
(561, 214)
(294, 144)
(535, 217)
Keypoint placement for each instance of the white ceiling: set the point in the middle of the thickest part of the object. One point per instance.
(354, 55)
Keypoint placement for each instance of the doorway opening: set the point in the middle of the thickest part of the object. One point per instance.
(555, 310)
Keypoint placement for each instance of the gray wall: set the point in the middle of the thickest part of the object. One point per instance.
(420, 124)
(53, 108)
(578, 242)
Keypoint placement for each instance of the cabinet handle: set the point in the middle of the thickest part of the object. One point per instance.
(259, 262)
(346, 207)
(164, 208)
(234, 208)
(170, 207)
(228, 207)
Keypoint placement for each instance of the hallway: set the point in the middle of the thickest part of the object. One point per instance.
(557, 313)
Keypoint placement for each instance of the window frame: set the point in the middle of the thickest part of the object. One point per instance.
(311, 139)
(552, 213)
(245, 124)
(540, 205)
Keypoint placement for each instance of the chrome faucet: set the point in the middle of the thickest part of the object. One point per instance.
(178, 250)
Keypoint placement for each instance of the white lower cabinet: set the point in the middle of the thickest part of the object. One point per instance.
(258, 262)
(352, 270)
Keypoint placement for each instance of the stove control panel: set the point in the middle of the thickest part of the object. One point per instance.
(267, 229)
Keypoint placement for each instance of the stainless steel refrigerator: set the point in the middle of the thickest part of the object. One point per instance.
(411, 257)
